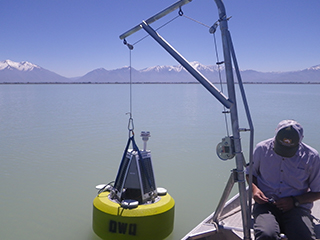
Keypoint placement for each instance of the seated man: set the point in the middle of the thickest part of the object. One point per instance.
(286, 182)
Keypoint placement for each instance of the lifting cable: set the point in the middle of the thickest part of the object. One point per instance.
(196, 21)
(130, 46)
(218, 63)
(130, 123)
(212, 30)
(225, 111)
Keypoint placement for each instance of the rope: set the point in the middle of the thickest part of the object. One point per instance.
(130, 123)
(165, 24)
(218, 64)
(180, 13)
(196, 21)
(130, 46)
(131, 128)
(220, 79)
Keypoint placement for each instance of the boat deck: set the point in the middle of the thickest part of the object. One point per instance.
(232, 224)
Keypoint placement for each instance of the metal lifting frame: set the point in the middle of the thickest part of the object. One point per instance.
(155, 17)
(195, 73)
(229, 103)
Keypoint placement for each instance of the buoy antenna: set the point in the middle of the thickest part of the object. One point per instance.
(145, 137)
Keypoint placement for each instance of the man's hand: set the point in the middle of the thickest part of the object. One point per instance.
(285, 204)
(258, 195)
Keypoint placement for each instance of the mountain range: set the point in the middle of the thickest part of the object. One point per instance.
(26, 72)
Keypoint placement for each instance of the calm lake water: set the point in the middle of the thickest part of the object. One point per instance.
(59, 141)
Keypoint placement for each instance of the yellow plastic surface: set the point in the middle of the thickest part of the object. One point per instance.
(146, 222)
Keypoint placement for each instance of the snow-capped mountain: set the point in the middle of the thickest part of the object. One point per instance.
(25, 72)
(314, 68)
(166, 74)
(200, 67)
(161, 69)
(22, 66)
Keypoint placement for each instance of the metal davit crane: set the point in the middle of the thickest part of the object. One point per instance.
(231, 146)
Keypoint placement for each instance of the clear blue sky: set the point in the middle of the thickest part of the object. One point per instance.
(73, 37)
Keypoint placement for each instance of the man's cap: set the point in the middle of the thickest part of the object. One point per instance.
(289, 134)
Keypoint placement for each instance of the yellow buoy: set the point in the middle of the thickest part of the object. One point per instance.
(133, 208)
(152, 221)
